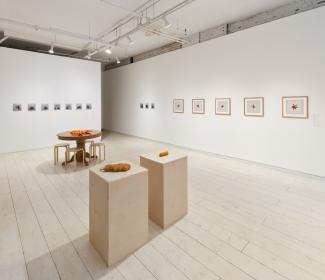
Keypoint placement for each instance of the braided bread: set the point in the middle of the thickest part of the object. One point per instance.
(118, 167)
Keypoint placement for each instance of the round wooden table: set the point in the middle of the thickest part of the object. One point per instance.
(80, 141)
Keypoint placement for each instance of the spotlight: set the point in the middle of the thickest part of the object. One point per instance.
(108, 50)
(51, 50)
(117, 60)
(131, 42)
(167, 23)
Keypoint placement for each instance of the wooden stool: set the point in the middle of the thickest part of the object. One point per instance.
(93, 150)
(75, 151)
(56, 152)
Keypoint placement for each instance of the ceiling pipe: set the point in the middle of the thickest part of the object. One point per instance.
(138, 11)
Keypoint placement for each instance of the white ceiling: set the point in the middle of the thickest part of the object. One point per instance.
(93, 16)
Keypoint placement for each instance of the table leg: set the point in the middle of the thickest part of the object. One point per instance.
(81, 144)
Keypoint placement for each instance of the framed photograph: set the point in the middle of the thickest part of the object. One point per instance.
(223, 106)
(198, 106)
(45, 107)
(147, 105)
(31, 107)
(79, 106)
(141, 105)
(68, 107)
(178, 106)
(153, 106)
(89, 106)
(17, 107)
(295, 107)
(57, 107)
(254, 106)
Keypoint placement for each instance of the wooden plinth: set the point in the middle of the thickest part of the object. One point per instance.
(118, 212)
(167, 187)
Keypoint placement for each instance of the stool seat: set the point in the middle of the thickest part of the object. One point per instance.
(74, 149)
(62, 145)
(98, 144)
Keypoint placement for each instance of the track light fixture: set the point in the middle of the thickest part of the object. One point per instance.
(117, 60)
(51, 50)
(167, 23)
(108, 50)
(131, 42)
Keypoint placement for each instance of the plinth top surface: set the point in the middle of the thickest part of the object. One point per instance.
(114, 176)
(173, 156)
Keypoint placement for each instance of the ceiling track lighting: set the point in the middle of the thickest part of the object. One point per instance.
(108, 50)
(51, 50)
(117, 60)
(131, 42)
(167, 24)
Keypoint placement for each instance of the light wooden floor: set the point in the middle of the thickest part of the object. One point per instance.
(245, 222)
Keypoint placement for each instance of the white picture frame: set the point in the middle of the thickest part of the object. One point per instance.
(178, 106)
(223, 106)
(254, 106)
(295, 107)
(198, 106)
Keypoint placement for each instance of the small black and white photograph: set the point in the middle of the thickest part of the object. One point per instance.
(89, 106)
(45, 107)
(57, 107)
(31, 107)
(79, 106)
(147, 105)
(141, 105)
(17, 107)
(68, 107)
(153, 106)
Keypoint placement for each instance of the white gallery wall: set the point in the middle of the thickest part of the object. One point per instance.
(34, 78)
(281, 58)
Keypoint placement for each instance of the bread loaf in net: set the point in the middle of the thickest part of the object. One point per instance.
(117, 167)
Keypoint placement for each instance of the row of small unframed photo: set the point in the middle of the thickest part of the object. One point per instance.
(147, 106)
(292, 106)
(46, 107)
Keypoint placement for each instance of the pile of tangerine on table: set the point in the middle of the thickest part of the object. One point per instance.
(80, 132)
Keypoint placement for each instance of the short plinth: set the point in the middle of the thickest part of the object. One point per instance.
(118, 212)
(167, 187)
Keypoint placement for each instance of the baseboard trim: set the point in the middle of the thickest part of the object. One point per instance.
(281, 169)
